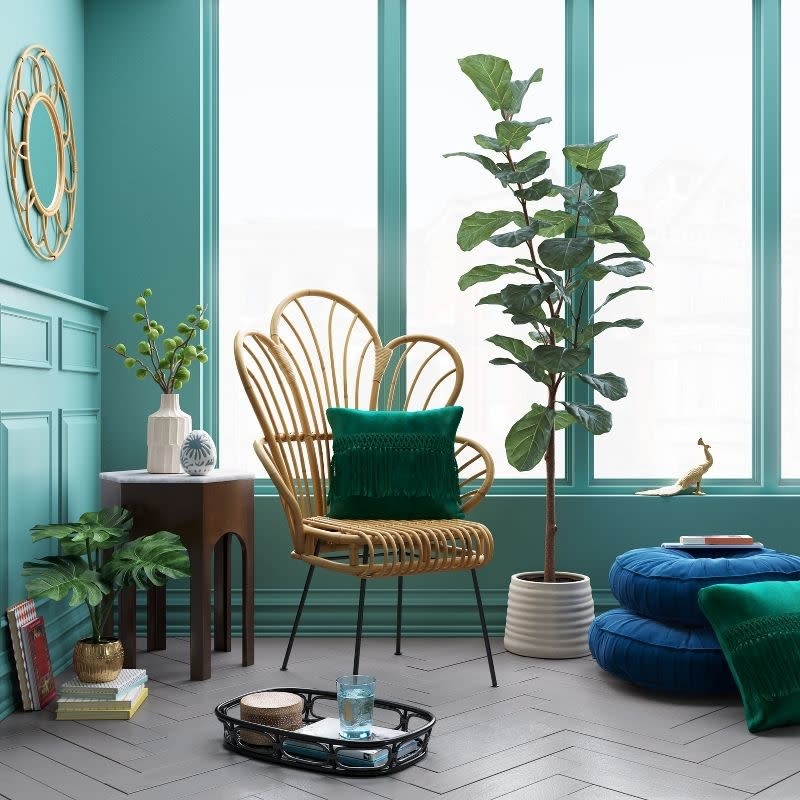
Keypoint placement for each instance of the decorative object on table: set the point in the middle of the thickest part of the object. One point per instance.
(198, 453)
(394, 464)
(78, 708)
(693, 478)
(660, 639)
(291, 380)
(277, 709)
(42, 153)
(97, 561)
(169, 368)
(758, 627)
(389, 749)
(209, 512)
(355, 696)
(19, 615)
(551, 620)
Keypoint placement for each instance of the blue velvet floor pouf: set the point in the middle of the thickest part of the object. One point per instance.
(662, 584)
(660, 657)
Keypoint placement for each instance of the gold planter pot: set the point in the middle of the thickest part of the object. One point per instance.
(97, 662)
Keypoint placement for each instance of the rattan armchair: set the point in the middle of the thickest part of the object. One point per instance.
(322, 351)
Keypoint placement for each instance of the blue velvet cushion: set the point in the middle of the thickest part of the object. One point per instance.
(660, 657)
(662, 584)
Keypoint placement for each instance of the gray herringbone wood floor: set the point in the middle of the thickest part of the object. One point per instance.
(552, 729)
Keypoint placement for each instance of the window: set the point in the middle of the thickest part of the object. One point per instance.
(298, 172)
(681, 104)
(443, 113)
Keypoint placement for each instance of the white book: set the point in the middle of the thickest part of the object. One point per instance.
(681, 546)
(113, 690)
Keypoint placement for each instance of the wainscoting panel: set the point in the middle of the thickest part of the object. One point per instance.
(26, 338)
(79, 346)
(80, 458)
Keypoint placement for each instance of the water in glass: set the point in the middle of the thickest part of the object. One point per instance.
(356, 696)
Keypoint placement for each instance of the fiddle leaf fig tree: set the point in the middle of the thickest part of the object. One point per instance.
(563, 252)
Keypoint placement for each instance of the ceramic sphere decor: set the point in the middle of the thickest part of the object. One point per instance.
(198, 453)
(549, 620)
(41, 153)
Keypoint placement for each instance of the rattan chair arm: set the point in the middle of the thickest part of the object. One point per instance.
(472, 497)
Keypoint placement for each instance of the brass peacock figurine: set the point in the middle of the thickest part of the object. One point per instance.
(694, 477)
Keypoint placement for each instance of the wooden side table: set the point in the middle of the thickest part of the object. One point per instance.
(206, 512)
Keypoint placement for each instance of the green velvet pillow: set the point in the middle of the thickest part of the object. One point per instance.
(758, 628)
(394, 464)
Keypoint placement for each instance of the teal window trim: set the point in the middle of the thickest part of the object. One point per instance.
(579, 115)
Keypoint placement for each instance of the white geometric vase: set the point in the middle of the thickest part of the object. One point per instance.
(166, 430)
(549, 620)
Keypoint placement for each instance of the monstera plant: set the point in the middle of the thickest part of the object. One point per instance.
(82, 574)
(551, 260)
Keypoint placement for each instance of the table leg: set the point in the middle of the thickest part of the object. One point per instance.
(222, 593)
(248, 608)
(157, 618)
(200, 612)
(127, 624)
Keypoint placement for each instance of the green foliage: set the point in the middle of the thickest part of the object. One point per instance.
(165, 360)
(79, 574)
(566, 251)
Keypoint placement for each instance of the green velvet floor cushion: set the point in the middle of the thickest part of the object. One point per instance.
(758, 628)
(394, 464)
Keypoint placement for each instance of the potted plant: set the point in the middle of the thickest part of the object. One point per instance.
(565, 252)
(81, 573)
(167, 362)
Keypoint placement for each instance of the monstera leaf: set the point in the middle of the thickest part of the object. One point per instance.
(147, 561)
(55, 577)
(97, 529)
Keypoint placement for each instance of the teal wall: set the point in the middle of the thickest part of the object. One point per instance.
(49, 360)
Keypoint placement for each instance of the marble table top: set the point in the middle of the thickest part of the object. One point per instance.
(143, 476)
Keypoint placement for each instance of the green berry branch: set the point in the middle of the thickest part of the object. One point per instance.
(168, 366)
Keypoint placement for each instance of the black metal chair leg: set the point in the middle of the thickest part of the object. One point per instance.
(362, 590)
(399, 616)
(483, 625)
(299, 614)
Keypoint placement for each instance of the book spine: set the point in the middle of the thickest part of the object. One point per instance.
(720, 539)
(19, 661)
(45, 685)
(28, 655)
(81, 693)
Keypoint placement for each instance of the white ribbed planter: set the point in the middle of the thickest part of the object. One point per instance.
(166, 430)
(549, 620)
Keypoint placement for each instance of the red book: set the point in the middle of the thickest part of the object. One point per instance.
(34, 640)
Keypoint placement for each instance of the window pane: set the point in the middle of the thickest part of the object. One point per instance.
(790, 245)
(680, 101)
(444, 112)
(298, 172)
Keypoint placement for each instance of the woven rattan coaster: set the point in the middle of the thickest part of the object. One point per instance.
(276, 709)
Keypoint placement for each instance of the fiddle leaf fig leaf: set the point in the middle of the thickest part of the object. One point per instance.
(619, 293)
(563, 254)
(554, 223)
(517, 348)
(516, 237)
(558, 326)
(490, 300)
(537, 190)
(526, 442)
(525, 299)
(604, 178)
(519, 89)
(608, 384)
(563, 420)
(594, 418)
(587, 155)
(599, 207)
(478, 227)
(626, 269)
(523, 173)
(486, 272)
(596, 328)
(492, 78)
(488, 143)
(559, 359)
(512, 134)
(627, 227)
(484, 161)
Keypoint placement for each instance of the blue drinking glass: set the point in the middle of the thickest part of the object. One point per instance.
(356, 696)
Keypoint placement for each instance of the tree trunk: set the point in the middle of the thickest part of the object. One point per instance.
(550, 526)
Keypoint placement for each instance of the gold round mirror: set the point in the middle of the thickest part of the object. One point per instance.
(42, 154)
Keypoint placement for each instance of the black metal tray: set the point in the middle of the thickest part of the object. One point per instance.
(274, 752)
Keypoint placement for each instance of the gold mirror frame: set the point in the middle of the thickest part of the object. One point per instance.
(46, 223)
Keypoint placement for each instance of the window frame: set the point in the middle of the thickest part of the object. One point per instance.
(579, 116)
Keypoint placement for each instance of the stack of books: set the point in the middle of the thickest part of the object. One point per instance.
(31, 656)
(117, 699)
(718, 540)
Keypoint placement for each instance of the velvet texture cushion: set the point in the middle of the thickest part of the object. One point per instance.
(758, 627)
(657, 656)
(394, 464)
(662, 583)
